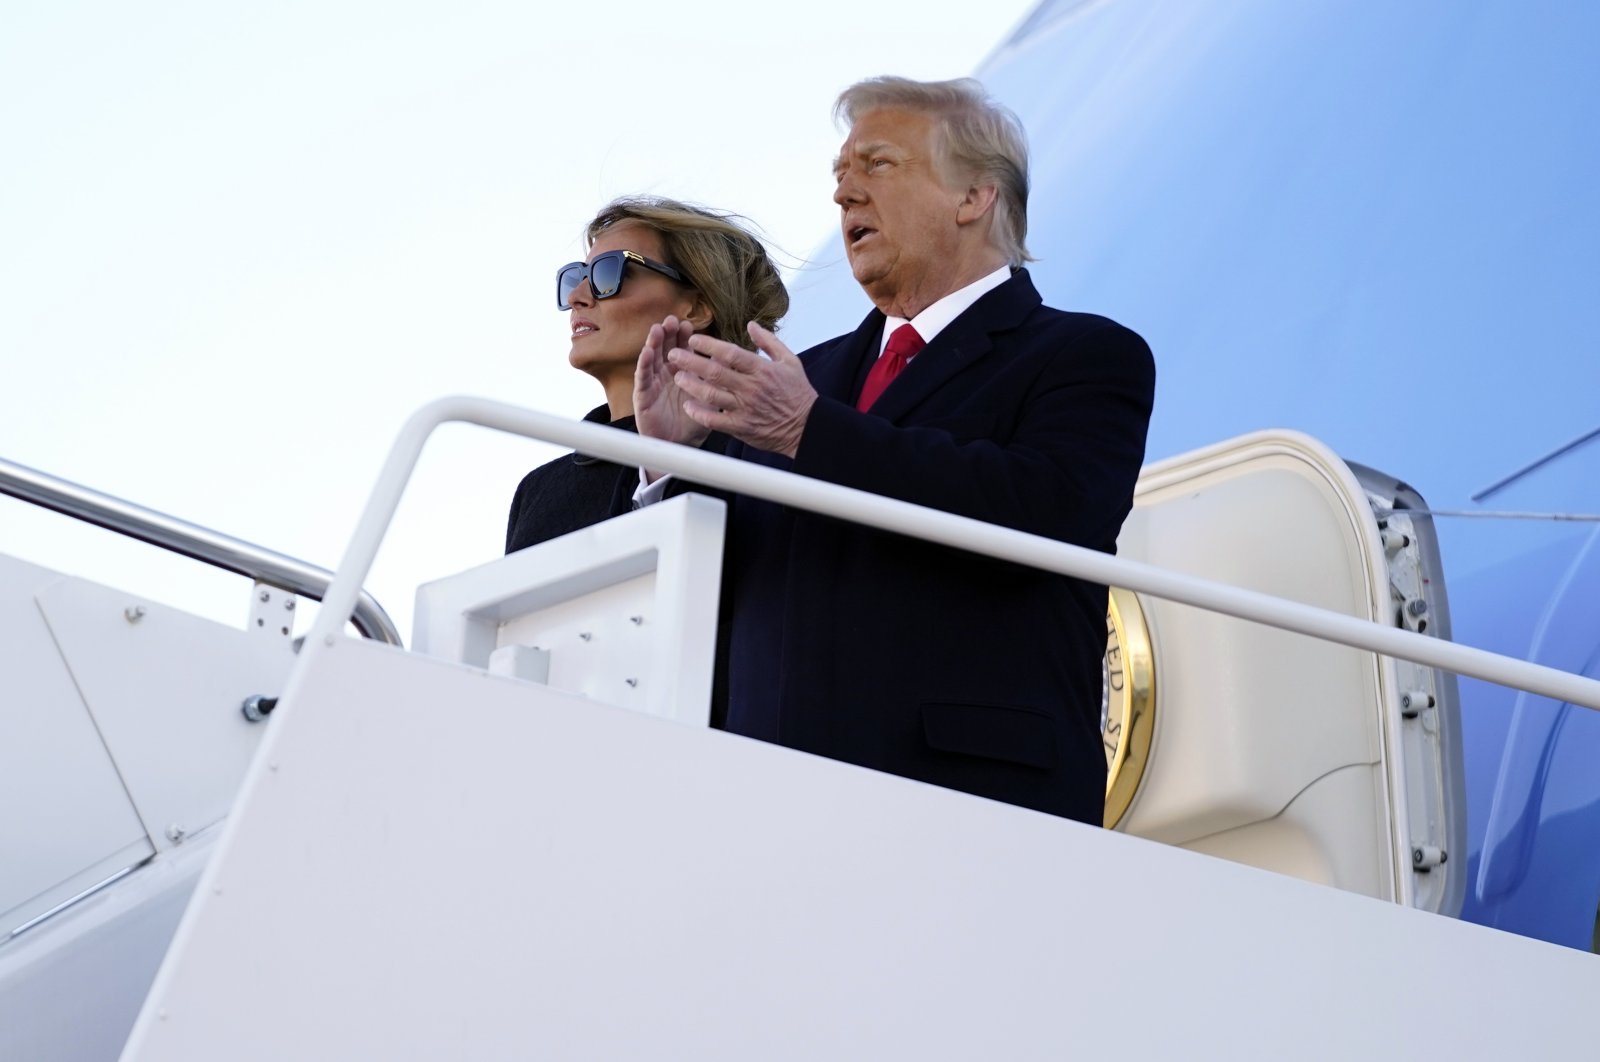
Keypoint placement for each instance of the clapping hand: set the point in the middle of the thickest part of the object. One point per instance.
(761, 401)
(657, 401)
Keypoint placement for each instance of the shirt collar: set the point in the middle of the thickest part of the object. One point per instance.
(931, 321)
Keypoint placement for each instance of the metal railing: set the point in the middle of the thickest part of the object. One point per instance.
(907, 519)
(190, 540)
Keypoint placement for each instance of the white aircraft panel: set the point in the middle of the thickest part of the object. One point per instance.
(71, 987)
(165, 693)
(67, 822)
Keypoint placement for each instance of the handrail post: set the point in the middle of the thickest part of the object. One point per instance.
(379, 511)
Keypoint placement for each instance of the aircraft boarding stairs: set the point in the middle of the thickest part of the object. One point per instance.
(520, 838)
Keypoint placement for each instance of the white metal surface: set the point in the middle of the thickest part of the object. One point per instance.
(429, 862)
(626, 610)
(165, 693)
(67, 823)
(120, 742)
(904, 518)
(71, 987)
(271, 612)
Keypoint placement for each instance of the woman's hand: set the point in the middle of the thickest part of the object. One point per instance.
(764, 402)
(657, 400)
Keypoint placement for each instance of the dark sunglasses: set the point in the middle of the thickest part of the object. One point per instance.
(604, 275)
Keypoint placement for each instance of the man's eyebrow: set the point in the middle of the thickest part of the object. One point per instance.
(866, 151)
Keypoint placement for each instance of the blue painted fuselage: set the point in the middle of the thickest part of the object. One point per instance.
(1379, 224)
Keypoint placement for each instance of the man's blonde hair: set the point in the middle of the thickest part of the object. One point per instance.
(977, 140)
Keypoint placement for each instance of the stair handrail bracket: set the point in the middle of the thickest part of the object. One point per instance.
(906, 518)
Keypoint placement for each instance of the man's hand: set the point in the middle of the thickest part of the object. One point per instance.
(657, 402)
(759, 402)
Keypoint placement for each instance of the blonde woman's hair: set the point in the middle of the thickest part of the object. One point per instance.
(723, 262)
(977, 140)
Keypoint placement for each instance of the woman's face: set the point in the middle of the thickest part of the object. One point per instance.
(608, 333)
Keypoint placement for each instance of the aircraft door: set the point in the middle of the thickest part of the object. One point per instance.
(1271, 748)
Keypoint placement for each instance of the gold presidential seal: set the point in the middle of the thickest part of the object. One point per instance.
(1128, 703)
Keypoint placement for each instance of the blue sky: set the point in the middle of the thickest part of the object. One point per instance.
(239, 245)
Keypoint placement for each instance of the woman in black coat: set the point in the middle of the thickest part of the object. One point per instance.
(648, 258)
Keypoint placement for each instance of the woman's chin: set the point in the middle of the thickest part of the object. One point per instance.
(601, 366)
(589, 361)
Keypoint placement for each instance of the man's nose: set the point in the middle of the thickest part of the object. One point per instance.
(847, 191)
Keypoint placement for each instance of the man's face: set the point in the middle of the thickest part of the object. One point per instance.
(898, 215)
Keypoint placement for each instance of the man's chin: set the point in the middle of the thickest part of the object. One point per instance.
(879, 286)
(868, 273)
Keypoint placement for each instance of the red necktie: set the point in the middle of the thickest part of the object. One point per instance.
(903, 346)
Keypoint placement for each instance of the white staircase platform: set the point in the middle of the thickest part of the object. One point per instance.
(431, 862)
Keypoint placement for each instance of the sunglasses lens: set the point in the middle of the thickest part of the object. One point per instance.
(568, 277)
(605, 274)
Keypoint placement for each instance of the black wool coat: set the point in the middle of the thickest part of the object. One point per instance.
(571, 492)
(920, 660)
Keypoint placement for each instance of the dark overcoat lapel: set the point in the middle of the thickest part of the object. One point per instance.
(839, 368)
(963, 342)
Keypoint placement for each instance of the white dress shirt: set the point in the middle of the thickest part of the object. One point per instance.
(929, 323)
(933, 320)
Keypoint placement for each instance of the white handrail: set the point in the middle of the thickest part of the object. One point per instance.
(189, 540)
(915, 521)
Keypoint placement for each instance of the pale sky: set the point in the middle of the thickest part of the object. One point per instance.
(240, 244)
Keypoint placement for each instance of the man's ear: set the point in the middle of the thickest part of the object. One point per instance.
(977, 203)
